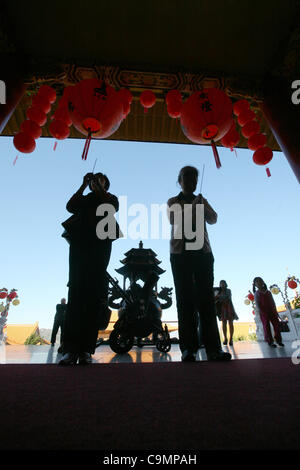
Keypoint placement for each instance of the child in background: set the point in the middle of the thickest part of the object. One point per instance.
(267, 311)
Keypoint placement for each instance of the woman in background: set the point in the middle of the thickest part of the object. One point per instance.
(267, 311)
(225, 311)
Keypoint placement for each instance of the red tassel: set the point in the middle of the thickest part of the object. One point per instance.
(268, 172)
(86, 146)
(55, 145)
(15, 160)
(216, 155)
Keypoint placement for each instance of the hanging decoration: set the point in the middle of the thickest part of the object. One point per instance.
(250, 129)
(147, 100)
(31, 128)
(11, 297)
(232, 138)
(250, 299)
(174, 103)
(206, 117)
(96, 109)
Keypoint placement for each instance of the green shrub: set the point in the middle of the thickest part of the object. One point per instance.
(34, 339)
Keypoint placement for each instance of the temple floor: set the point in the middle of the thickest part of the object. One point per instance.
(47, 354)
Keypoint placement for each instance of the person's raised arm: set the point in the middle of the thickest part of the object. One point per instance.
(76, 201)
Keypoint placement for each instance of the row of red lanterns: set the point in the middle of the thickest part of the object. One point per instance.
(31, 128)
(250, 129)
(97, 110)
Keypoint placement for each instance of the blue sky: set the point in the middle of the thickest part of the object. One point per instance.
(256, 233)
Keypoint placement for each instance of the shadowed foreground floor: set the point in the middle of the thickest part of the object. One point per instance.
(247, 404)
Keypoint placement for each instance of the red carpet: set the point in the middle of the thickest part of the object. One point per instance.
(243, 404)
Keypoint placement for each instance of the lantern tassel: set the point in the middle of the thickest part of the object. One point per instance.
(87, 146)
(268, 172)
(55, 145)
(216, 155)
(15, 160)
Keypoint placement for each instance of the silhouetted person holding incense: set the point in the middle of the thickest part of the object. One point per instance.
(193, 270)
(59, 320)
(90, 235)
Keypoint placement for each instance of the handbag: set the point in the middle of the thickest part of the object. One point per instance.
(283, 326)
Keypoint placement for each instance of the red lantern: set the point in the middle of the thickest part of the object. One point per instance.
(126, 97)
(206, 116)
(250, 128)
(12, 295)
(256, 141)
(173, 96)
(62, 114)
(245, 117)
(174, 109)
(24, 142)
(96, 109)
(31, 128)
(231, 139)
(42, 103)
(262, 156)
(3, 293)
(36, 115)
(47, 92)
(250, 297)
(240, 106)
(292, 284)
(59, 129)
(147, 100)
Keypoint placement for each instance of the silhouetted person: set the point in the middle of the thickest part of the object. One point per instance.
(88, 260)
(225, 311)
(193, 268)
(59, 320)
(267, 311)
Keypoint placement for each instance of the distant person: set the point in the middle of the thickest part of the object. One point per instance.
(194, 268)
(225, 311)
(267, 311)
(59, 320)
(88, 260)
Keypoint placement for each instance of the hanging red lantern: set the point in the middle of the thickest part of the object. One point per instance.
(24, 143)
(256, 141)
(96, 109)
(59, 129)
(250, 128)
(173, 96)
(36, 115)
(147, 99)
(240, 106)
(231, 139)
(62, 114)
(245, 117)
(31, 128)
(47, 92)
(12, 295)
(126, 95)
(174, 109)
(292, 284)
(127, 98)
(3, 293)
(250, 297)
(262, 156)
(206, 117)
(42, 103)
